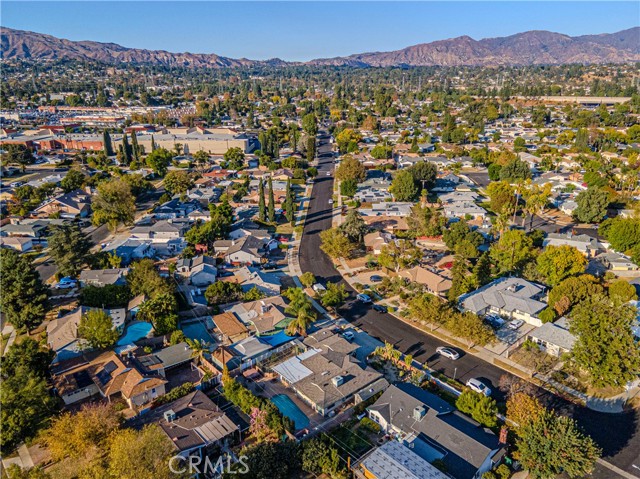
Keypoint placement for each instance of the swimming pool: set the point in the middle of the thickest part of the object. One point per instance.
(135, 332)
(197, 330)
(287, 407)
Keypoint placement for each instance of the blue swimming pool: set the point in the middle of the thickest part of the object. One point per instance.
(287, 407)
(135, 332)
(197, 330)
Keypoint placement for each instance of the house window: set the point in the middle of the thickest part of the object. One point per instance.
(153, 391)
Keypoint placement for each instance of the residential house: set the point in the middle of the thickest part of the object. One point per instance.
(394, 460)
(327, 374)
(435, 430)
(553, 338)
(617, 262)
(374, 241)
(249, 278)
(166, 236)
(195, 426)
(75, 204)
(248, 250)
(514, 298)
(587, 245)
(198, 271)
(175, 209)
(108, 375)
(16, 243)
(103, 277)
(433, 282)
(264, 316)
(131, 249)
(62, 333)
(229, 328)
(388, 208)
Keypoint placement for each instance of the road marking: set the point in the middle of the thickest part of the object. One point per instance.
(616, 469)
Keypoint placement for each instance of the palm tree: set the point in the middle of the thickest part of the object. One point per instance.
(301, 324)
(198, 349)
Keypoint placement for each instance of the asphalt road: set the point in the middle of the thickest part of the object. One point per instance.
(617, 434)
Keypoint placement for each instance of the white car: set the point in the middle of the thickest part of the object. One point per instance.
(515, 324)
(448, 353)
(478, 386)
(328, 173)
(65, 285)
(15, 184)
(363, 298)
(330, 202)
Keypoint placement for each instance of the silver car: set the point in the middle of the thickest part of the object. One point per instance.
(448, 353)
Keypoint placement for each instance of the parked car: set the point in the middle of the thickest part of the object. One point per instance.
(267, 266)
(375, 278)
(478, 386)
(328, 173)
(495, 321)
(15, 184)
(348, 335)
(330, 201)
(365, 298)
(515, 324)
(379, 308)
(319, 288)
(66, 283)
(448, 353)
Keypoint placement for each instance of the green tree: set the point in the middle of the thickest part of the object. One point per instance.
(23, 297)
(113, 204)
(15, 154)
(605, 346)
(424, 174)
(289, 203)
(222, 292)
(107, 145)
(502, 197)
(311, 148)
(399, 254)
(73, 180)
(622, 233)
(480, 407)
(349, 187)
(29, 355)
(271, 210)
(143, 278)
(511, 251)
(161, 311)
(553, 444)
(158, 160)
(459, 236)
(336, 244)
(307, 279)
(69, 248)
(592, 205)
(137, 454)
(126, 150)
(403, 187)
(177, 182)
(426, 221)
(25, 403)
(354, 227)
(622, 292)
(97, 328)
(515, 170)
(310, 124)
(234, 157)
(572, 291)
(350, 169)
(556, 263)
(334, 296)
(262, 209)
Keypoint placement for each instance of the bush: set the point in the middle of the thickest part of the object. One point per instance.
(369, 425)
(109, 296)
(175, 393)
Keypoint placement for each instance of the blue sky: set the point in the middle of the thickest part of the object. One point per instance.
(306, 30)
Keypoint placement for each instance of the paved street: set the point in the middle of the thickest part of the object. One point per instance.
(618, 434)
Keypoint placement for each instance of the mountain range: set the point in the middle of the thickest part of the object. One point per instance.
(527, 48)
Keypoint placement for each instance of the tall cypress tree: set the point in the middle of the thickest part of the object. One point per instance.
(272, 207)
(135, 149)
(107, 146)
(153, 144)
(126, 150)
(262, 209)
(289, 203)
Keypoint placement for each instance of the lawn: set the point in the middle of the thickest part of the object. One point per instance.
(353, 438)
